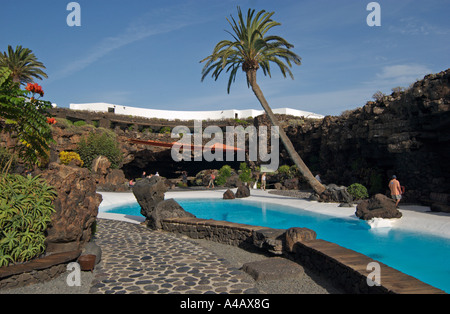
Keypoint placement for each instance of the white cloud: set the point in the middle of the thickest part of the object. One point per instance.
(414, 27)
(401, 75)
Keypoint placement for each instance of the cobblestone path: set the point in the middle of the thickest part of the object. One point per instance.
(138, 260)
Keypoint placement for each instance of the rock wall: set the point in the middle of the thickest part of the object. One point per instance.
(406, 133)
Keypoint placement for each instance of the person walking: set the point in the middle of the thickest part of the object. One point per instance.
(263, 181)
(211, 181)
(396, 190)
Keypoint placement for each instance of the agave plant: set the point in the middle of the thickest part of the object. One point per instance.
(26, 206)
(250, 50)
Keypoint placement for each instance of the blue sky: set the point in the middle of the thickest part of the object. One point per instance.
(146, 53)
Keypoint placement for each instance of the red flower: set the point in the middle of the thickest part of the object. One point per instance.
(35, 89)
(51, 120)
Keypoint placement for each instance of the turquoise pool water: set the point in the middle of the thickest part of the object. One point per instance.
(422, 256)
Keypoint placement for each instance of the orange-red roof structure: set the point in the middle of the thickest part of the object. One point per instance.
(192, 146)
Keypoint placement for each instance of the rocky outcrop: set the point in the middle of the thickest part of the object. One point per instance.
(269, 239)
(335, 194)
(297, 234)
(378, 206)
(108, 179)
(166, 209)
(229, 195)
(242, 191)
(438, 202)
(76, 207)
(405, 133)
(149, 192)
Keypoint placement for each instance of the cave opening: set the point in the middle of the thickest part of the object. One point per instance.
(162, 162)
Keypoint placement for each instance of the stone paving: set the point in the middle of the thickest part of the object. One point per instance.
(138, 260)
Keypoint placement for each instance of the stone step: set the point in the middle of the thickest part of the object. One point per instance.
(273, 268)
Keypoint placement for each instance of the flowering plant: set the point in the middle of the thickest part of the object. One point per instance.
(35, 89)
(51, 120)
(26, 118)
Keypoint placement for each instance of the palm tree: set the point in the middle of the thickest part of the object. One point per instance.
(23, 64)
(250, 50)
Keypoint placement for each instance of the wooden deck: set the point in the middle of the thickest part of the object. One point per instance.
(391, 279)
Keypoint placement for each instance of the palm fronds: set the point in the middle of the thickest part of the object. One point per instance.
(250, 49)
(23, 64)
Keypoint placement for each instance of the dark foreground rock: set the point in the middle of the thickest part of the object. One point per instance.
(76, 207)
(378, 206)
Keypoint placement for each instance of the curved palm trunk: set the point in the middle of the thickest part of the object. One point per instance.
(304, 170)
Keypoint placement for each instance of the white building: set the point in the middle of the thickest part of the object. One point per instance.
(188, 115)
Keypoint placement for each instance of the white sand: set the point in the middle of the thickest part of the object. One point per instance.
(415, 218)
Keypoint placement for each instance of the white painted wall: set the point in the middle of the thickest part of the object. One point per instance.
(188, 115)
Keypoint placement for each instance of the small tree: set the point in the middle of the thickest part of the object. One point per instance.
(398, 89)
(378, 96)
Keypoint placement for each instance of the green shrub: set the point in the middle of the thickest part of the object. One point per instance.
(358, 191)
(241, 122)
(79, 123)
(287, 172)
(225, 171)
(224, 174)
(64, 123)
(25, 211)
(284, 170)
(165, 130)
(100, 144)
(246, 173)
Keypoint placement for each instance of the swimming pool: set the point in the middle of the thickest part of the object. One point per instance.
(420, 255)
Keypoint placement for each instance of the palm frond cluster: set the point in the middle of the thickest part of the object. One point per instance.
(23, 64)
(251, 48)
